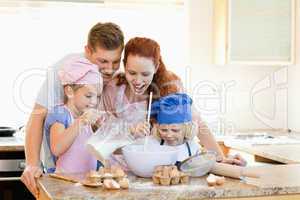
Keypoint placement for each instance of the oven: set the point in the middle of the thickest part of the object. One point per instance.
(12, 164)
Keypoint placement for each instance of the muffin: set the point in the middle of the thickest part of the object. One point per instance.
(184, 178)
(165, 181)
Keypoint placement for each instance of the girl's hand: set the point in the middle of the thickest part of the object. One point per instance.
(140, 130)
(89, 116)
(237, 159)
(98, 123)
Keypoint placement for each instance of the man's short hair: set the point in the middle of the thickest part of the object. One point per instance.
(106, 35)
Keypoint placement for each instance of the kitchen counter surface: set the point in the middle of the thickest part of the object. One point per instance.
(276, 180)
(15, 143)
(283, 149)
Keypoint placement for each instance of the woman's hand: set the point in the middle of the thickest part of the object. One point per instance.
(99, 122)
(140, 130)
(236, 159)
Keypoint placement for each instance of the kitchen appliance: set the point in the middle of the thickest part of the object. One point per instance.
(12, 164)
(6, 131)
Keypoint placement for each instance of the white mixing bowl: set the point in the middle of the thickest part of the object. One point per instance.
(142, 163)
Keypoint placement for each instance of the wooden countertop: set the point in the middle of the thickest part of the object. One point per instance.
(15, 143)
(288, 153)
(275, 180)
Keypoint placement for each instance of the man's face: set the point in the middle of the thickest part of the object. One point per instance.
(108, 61)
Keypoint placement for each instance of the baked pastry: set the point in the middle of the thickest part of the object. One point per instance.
(168, 175)
(109, 178)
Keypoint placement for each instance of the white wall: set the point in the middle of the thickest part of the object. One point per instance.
(35, 35)
(294, 82)
(232, 108)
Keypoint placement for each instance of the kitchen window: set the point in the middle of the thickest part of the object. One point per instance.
(254, 32)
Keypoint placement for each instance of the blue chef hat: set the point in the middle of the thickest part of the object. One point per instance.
(172, 109)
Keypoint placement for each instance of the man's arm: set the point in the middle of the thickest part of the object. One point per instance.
(33, 141)
(34, 135)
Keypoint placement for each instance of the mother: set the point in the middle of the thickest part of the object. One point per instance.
(126, 96)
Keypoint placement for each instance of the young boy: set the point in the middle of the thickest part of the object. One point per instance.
(173, 125)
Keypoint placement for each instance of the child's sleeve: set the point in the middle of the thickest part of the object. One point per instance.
(57, 115)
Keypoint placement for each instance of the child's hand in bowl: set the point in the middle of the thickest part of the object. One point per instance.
(140, 130)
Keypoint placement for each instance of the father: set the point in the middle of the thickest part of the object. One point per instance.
(104, 48)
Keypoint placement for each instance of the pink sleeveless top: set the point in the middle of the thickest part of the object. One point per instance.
(77, 159)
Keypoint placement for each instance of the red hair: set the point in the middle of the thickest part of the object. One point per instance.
(164, 82)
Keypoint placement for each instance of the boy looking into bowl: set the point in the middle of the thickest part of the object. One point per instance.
(173, 126)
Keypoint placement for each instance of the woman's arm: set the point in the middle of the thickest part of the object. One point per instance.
(205, 136)
(207, 139)
(209, 142)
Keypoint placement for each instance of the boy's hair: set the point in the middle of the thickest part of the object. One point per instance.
(106, 35)
(74, 87)
(189, 129)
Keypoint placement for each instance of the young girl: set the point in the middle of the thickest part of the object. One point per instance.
(173, 126)
(68, 126)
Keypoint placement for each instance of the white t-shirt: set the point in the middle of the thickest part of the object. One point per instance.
(51, 93)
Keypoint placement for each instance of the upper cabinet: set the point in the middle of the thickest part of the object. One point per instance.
(254, 32)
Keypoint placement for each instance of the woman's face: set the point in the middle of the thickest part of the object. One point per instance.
(172, 134)
(139, 72)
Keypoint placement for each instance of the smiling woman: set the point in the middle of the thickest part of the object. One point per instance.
(32, 39)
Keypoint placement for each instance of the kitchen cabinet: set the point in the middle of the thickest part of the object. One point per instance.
(12, 163)
(254, 32)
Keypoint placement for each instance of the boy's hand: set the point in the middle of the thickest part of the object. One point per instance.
(140, 130)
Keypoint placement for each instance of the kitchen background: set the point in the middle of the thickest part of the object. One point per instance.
(36, 34)
(231, 97)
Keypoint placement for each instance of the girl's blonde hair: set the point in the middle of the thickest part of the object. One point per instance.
(189, 129)
(74, 87)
